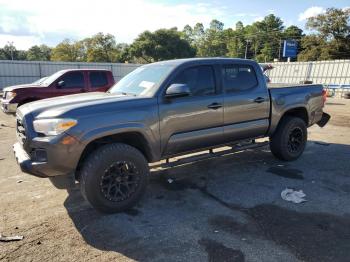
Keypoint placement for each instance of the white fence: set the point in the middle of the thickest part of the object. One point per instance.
(24, 72)
(333, 73)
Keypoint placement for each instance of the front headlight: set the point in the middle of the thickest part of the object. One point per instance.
(53, 127)
(10, 95)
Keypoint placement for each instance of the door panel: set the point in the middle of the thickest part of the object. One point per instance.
(195, 121)
(74, 83)
(246, 129)
(187, 123)
(98, 81)
(246, 103)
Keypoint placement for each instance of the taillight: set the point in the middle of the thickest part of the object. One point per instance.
(324, 95)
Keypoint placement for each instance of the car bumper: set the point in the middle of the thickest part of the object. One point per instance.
(58, 160)
(324, 120)
(8, 107)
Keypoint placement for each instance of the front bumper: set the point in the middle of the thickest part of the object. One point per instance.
(59, 159)
(25, 163)
(8, 107)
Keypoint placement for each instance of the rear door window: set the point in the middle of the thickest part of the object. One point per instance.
(200, 80)
(73, 80)
(98, 79)
(238, 78)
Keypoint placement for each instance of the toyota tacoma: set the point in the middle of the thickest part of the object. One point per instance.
(158, 111)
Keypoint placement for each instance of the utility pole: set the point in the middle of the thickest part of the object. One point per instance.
(246, 48)
(11, 48)
(279, 52)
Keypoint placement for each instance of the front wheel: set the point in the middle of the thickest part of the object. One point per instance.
(114, 177)
(289, 140)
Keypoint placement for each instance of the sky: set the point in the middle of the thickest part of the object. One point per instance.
(27, 23)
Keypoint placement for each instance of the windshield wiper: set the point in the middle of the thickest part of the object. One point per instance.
(123, 93)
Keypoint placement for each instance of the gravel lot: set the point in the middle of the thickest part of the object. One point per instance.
(223, 209)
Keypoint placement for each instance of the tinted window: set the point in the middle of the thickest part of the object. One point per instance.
(238, 78)
(199, 79)
(98, 79)
(74, 79)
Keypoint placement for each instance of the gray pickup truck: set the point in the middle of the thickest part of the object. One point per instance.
(158, 111)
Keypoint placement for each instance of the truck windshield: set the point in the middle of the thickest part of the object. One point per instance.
(50, 79)
(143, 81)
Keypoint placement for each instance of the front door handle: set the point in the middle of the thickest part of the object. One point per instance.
(215, 106)
(259, 100)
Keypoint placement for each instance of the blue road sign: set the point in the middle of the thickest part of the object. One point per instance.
(290, 48)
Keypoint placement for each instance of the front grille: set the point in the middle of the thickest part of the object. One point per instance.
(21, 131)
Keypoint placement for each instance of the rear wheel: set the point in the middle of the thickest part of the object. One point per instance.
(289, 140)
(114, 177)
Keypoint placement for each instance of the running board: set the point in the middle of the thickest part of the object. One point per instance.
(208, 155)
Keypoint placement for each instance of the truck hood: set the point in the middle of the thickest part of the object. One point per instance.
(12, 88)
(58, 106)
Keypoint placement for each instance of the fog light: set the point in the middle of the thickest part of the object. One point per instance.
(40, 155)
(68, 140)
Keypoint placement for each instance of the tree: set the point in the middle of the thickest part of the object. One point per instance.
(313, 48)
(293, 32)
(216, 25)
(212, 41)
(39, 53)
(332, 38)
(268, 33)
(101, 48)
(333, 24)
(236, 42)
(187, 34)
(68, 51)
(163, 44)
(9, 52)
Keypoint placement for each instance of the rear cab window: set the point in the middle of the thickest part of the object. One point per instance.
(199, 79)
(98, 79)
(238, 78)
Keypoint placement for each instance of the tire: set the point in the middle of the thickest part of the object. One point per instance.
(114, 177)
(289, 140)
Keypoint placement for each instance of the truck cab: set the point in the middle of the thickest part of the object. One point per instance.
(64, 82)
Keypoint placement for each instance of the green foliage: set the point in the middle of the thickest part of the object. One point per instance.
(163, 44)
(334, 24)
(39, 53)
(9, 52)
(68, 51)
(101, 48)
(332, 40)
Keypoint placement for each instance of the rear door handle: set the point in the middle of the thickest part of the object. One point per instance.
(259, 100)
(215, 106)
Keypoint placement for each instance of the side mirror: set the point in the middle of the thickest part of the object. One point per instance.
(60, 84)
(177, 90)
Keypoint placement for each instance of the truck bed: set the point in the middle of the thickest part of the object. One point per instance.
(284, 85)
(286, 96)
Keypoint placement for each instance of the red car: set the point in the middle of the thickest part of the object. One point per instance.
(64, 82)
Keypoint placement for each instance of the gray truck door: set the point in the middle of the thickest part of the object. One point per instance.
(246, 102)
(194, 121)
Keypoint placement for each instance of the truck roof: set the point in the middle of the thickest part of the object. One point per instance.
(84, 69)
(204, 60)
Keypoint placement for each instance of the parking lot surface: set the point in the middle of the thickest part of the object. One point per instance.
(223, 209)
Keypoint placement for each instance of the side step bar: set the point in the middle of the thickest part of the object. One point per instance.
(208, 155)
